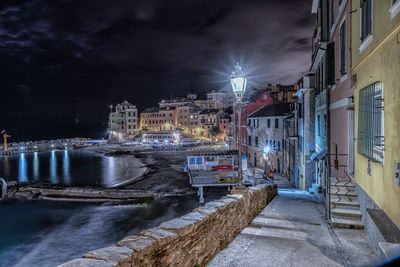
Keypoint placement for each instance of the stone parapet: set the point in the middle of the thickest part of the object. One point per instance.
(194, 238)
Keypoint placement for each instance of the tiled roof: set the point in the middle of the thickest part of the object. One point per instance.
(272, 110)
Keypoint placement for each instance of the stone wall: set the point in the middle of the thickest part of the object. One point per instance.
(191, 240)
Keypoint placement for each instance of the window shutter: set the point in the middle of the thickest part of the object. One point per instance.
(331, 63)
(343, 49)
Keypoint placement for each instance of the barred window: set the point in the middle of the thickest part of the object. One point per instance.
(370, 141)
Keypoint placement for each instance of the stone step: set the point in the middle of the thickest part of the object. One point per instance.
(342, 183)
(353, 213)
(343, 188)
(347, 223)
(345, 203)
(343, 193)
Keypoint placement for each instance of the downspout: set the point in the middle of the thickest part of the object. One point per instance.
(328, 142)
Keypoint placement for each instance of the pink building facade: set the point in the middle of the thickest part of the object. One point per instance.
(341, 94)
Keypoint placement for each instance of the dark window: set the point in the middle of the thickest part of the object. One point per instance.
(276, 123)
(269, 123)
(279, 146)
(330, 58)
(319, 126)
(273, 145)
(332, 12)
(256, 141)
(366, 18)
(249, 140)
(343, 49)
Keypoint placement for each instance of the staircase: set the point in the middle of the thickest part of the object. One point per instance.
(345, 209)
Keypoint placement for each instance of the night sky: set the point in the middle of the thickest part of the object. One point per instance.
(64, 62)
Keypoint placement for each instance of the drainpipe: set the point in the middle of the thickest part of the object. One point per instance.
(328, 146)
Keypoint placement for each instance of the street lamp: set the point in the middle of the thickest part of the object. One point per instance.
(238, 82)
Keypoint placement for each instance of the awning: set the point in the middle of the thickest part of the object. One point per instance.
(314, 156)
(318, 156)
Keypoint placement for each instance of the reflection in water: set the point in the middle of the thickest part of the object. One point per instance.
(22, 169)
(6, 168)
(109, 166)
(53, 167)
(67, 178)
(35, 166)
(69, 167)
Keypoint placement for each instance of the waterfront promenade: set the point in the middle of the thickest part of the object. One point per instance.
(292, 231)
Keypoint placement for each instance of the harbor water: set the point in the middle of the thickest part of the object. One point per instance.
(44, 233)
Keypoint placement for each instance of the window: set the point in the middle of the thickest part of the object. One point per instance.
(273, 145)
(249, 140)
(332, 12)
(395, 8)
(319, 125)
(343, 49)
(279, 146)
(269, 123)
(370, 142)
(256, 141)
(276, 123)
(366, 18)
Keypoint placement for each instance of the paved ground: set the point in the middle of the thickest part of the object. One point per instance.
(292, 231)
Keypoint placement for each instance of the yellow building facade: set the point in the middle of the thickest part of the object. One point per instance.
(375, 59)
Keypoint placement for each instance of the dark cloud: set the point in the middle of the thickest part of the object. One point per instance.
(81, 56)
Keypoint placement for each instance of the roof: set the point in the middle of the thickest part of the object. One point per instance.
(150, 110)
(190, 104)
(210, 111)
(213, 153)
(271, 110)
(225, 117)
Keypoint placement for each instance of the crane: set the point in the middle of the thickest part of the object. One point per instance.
(5, 136)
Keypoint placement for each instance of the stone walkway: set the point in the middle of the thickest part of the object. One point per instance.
(292, 231)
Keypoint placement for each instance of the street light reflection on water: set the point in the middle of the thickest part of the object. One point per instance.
(22, 169)
(70, 168)
(53, 168)
(35, 166)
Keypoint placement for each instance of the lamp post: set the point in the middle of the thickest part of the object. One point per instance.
(238, 81)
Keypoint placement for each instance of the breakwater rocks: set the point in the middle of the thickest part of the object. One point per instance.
(78, 194)
(191, 240)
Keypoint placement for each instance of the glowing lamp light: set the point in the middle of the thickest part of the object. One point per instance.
(267, 149)
(156, 141)
(21, 148)
(238, 81)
